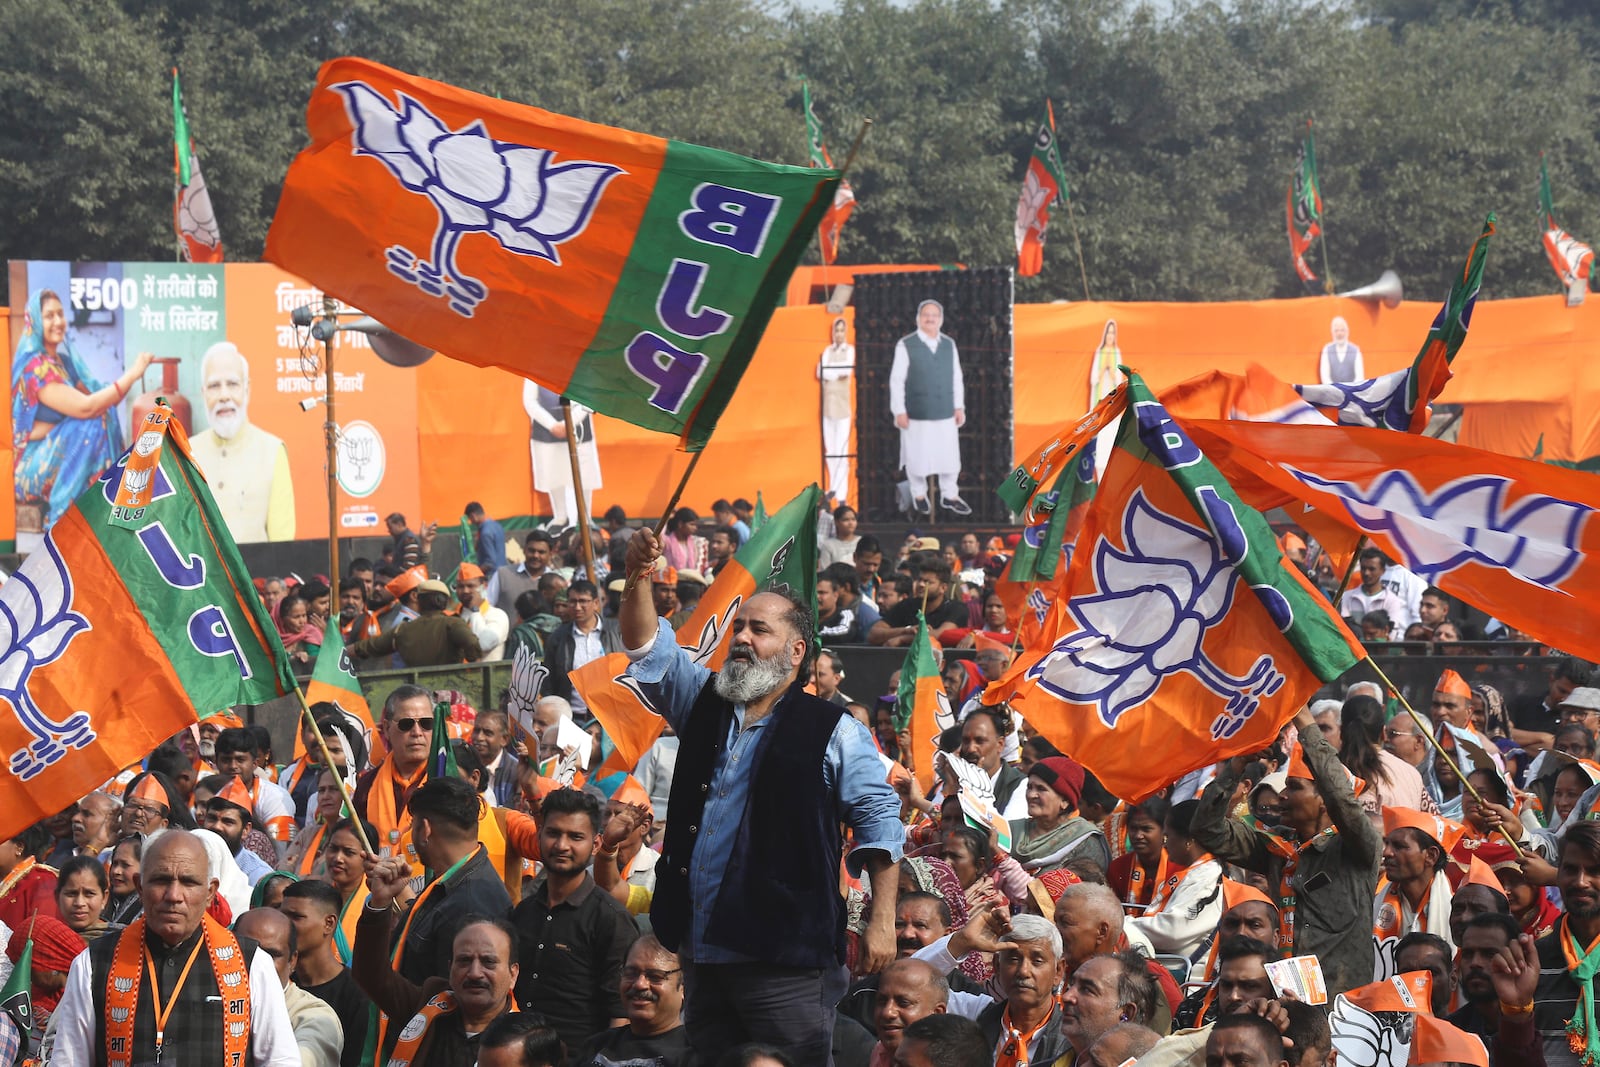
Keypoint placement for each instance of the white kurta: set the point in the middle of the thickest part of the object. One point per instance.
(552, 466)
(927, 446)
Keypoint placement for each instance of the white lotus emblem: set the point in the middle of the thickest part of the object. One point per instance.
(516, 193)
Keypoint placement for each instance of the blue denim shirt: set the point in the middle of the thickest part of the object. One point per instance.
(851, 768)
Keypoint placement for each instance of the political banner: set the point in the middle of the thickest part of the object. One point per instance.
(94, 344)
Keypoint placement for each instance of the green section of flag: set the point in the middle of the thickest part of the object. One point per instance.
(731, 301)
(180, 131)
(1307, 191)
(1047, 150)
(1038, 554)
(1449, 329)
(184, 572)
(1245, 539)
(782, 552)
(333, 665)
(16, 996)
(919, 664)
(758, 516)
(442, 758)
(815, 152)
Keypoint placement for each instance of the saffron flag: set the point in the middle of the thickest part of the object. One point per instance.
(1572, 260)
(1514, 537)
(1180, 635)
(192, 217)
(650, 266)
(1303, 209)
(1058, 453)
(921, 704)
(1043, 186)
(116, 638)
(781, 555)
(1375, 1024)
(333, 680)
(1399, 400)
(844, 198)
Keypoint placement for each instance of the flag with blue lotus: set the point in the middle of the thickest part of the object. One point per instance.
(1180, 635)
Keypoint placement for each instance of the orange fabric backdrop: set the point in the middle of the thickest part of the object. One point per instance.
(1523, 369)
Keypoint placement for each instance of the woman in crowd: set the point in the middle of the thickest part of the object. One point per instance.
(841, 547)
(64, 425)
(1135, 874)
(1054, 832)
(300, 638)
(342, 861)
(82, 891)
(122, 887)
(305, 851)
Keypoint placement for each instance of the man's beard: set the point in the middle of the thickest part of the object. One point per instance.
(226, 426)
(745, 676)
(208, 749)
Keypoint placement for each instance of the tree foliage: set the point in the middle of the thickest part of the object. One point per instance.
(1179, 123)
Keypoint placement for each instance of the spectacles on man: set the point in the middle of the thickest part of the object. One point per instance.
(631, 975)
(407, 725)
(1390, 733)
(137, 807)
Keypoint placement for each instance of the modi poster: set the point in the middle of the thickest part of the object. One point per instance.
(94, 344)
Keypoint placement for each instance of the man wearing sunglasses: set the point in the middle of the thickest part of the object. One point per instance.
(652, 997)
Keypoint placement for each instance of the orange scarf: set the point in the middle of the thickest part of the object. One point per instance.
(1013, 1050)
(308, 862)
(1291, 859)
(18, 872)
(127, 973)
(1141, 891)
(1165, 890)
(393, 820)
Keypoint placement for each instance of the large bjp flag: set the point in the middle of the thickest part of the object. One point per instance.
(135, 618)
(1180, 635)
(1514, 537)
(629, 273)
(782, 554)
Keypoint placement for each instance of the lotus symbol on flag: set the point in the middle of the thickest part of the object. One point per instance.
(1035, 197)
(36, 625)
(516, 193)
(1368, 1039)
(1538, 538)
(1155, 600)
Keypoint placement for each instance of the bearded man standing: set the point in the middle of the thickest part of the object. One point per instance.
(747, 889)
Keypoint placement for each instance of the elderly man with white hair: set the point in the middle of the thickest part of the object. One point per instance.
(1022, 1020)
(246, 467)
(1341, 359)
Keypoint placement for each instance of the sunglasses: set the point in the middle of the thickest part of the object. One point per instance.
(407, 725)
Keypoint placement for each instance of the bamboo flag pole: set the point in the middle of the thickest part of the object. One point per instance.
(339, 779)
(577, 491)
(1426, 730)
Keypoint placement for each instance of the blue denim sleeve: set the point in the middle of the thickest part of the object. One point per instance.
(667, 677)
(866, 803)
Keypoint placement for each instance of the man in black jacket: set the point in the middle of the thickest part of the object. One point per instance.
(587, 637)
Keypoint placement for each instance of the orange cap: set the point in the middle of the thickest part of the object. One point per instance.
(149, 789)
(631, 792)
(1299, 768)
(665, 573)
(1290, 541)
(406, 581)
(469, 571)
(226, 720)
(1404, 992)
(236, 794)
(1436, 1041)
(989, 644)
(1236, 893)
(1452, 683)
(1480, 873)
(1442, 831)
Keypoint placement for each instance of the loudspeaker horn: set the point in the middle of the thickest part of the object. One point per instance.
(1387, 290)
(390, 347)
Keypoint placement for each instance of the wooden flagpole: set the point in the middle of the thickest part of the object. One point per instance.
(577, 491)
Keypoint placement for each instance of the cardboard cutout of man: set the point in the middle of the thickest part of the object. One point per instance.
(927, 397)
(547, 444)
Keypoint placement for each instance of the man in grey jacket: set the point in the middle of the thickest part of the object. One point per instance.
(1327, 876)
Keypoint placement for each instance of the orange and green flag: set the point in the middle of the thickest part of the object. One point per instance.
(334, 680)
(134, 618)
(1180, 635)
(193, 218)
(921, 703)
(650, 267)
(782, 554)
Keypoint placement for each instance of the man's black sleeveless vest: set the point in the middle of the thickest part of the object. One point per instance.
(779, 900)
